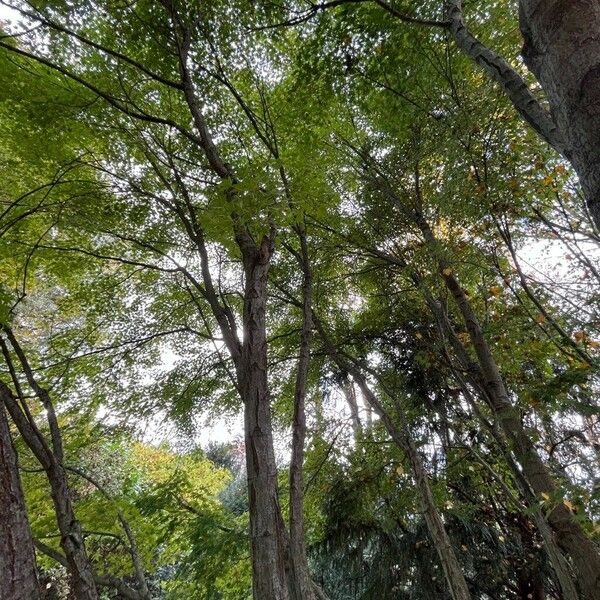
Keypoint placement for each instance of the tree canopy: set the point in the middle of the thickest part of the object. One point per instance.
(354, 241)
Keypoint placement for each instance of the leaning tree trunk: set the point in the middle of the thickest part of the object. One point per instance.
(81, 574)
(17, 555)
(267, 529)
(454, 576)
(562, 49)
(569, 534)
(459, 590)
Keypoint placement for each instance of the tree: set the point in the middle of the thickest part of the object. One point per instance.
(17, 555)
(319, 217)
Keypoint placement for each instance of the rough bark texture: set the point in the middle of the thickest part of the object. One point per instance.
(18, 574)
(267, 529)
(562, 49)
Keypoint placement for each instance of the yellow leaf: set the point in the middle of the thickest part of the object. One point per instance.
(447, 271)
(569, 505)
(464, 337)
(540, 319)
(545, 496)
(495, 290)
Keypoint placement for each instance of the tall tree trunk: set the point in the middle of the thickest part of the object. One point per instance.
(301, 585)
(562, 49)
(402, 437)
(17, 555)
(569, 534)
(450, 565)
(267, 529)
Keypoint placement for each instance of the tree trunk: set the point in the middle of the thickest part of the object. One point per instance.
(267, 529)
(570, 536)
(402, 437)
(17, 555)
(562, 49)
(81, 576)
(301, 585)
(350, 395)
(435, 526)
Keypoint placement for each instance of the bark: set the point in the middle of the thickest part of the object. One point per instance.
(350, 395)
(513, 85)
(136, 559)
(455, 579)
(107, 581)
(17, 554)
(450, 565)
(570, 536)
(562, 49)
(267, 529)
(301, 586)
(81, 574)
(49, 455)
(554, 553)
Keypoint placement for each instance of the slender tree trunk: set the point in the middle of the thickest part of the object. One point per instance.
(50, 457)
(267, 529)
(350, 395)
(18, 574)
(562, 49)
(569, 534)
(450, 565)
(402, 437)
(83, 586)
(554, 553)
(301, 585)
